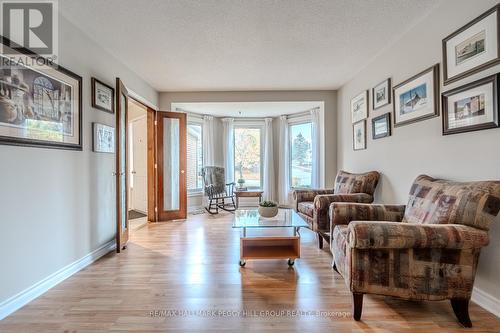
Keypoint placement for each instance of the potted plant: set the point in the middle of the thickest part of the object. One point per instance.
(268, 209)
(241, 182)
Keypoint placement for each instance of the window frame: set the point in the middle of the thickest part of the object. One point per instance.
(294, 122)
(196, 122)
(250, 125)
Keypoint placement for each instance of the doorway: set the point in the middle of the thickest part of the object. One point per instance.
(138, 164)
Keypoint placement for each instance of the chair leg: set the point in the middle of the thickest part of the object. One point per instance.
(320, 241)
(357, 305)
(461, 309)
(335, 268)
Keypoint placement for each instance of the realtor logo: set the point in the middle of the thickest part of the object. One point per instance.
(31, 25)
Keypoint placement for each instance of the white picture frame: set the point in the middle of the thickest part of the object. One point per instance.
(359, 135)
(381, 94)
(359, 107)
(103, 138)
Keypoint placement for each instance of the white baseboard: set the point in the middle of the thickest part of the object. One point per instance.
(24, 297)
(486, 301)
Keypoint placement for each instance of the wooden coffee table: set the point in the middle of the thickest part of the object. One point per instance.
(285, 246)
(247, 194)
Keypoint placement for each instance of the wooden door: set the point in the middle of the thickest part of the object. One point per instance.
(122, 229)
(171, 166)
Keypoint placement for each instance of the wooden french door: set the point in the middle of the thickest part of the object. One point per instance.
(171, 165)
(122, 229)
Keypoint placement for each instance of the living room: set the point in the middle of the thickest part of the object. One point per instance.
(318, 166)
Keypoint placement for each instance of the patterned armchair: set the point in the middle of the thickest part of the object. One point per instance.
(427, 250)
(312, 205)
(217, 190)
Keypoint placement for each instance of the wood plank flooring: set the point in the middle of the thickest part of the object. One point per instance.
(184, 276)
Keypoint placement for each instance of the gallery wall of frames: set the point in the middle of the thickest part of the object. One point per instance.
(469, 50)
(41, 104)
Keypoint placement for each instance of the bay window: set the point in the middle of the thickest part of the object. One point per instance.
(248, 155)
(300, 141)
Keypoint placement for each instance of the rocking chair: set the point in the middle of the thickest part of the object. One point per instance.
(217, 190)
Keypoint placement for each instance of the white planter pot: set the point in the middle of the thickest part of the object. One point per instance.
(268, 211)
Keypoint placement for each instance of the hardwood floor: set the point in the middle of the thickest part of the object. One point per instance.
(193, 266)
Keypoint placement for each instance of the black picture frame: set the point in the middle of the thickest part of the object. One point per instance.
(387, 118)
(447, 80)
(93, 81)
(28, 142)
(435, 90)
(388, 82)
(494, 79)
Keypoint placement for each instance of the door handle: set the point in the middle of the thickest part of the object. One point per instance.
(182, 171)
(133, 172)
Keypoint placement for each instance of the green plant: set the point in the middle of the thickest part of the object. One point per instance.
(241, 181)
(268, 204)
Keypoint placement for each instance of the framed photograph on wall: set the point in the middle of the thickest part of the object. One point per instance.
(473, 47)
(40, 102)
(359, 107)
(417, 98)
(103, 138)
(359, 135)
(381, 126)
(471, 107)
(103, 96)
(381, 94)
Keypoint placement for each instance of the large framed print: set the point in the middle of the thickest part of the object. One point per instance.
(40, 104)
(473, 47)
(359, 107)
(103, 138)
(381, 94)
(471, 107)
(103, 96)
(359, 135)
(417, 98)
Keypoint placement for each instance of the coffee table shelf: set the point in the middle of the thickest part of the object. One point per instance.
(269, 247)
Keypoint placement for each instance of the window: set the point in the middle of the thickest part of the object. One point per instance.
(300, 155)
(247, 156)
(194, 158)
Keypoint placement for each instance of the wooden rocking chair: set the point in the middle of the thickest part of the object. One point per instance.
(217, 190)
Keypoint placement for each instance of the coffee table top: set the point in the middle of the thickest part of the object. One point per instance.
(250, 218)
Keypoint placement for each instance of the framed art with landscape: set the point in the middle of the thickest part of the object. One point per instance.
(471, 107)
(417, 98)
(40, 104)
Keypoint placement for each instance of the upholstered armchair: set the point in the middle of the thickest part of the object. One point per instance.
(313, 205)
(426, 250)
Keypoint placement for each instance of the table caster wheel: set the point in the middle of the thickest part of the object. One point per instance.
(291, 262)
(242, 263)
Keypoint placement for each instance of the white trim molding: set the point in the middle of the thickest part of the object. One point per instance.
(16, 302)
(486, 301)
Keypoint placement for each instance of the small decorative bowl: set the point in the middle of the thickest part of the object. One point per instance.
(268, 211)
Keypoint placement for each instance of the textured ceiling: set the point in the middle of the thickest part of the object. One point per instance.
(205, 45)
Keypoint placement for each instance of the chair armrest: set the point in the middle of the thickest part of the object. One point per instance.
(323, 201)
(344, 213)
(396, 235)
(307, 195)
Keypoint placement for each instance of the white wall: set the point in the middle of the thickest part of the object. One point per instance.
(57, 205)
(420, 148)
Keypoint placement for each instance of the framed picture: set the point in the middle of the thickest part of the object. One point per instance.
(103, 96)
(359, 135)
(40, 105)
(417, 98)
(473, 47)
(471, 107)
(359, 107)
(103, 138)
(381, 126)
(381, 94)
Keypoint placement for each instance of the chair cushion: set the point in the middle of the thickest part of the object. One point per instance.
(347, 183)
(306, 208)
(437, 201)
